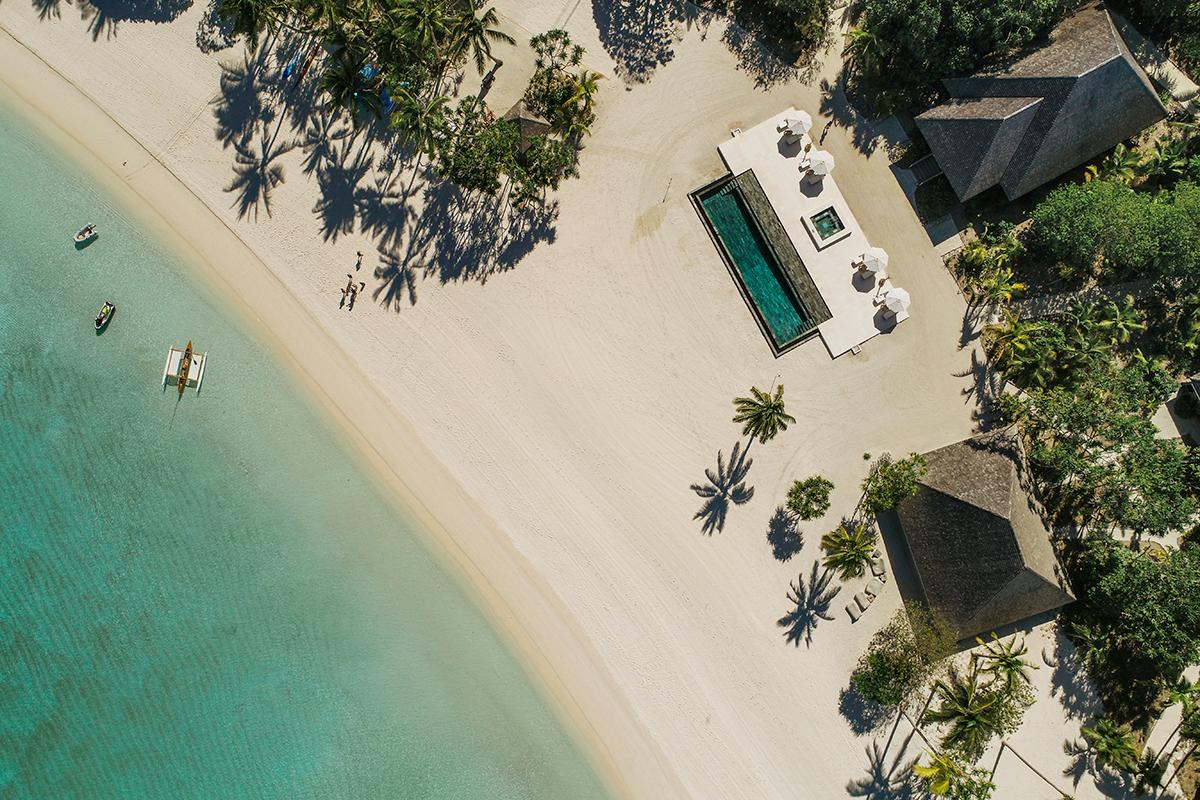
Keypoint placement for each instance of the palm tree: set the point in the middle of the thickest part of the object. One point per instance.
(348, 89)
(864, 50)
(970, 709)
(1014, 336)
(762, 415)
(1121, 165)
(940, 773)
(1005, 660)
(1122, 320)
(849, 549)
(1111, 745)
(249, 18)
(423, 21)
(421, 124)
(1184, 693)
(583, 95)
(1166, 158)
(478, 34)
(999, 286)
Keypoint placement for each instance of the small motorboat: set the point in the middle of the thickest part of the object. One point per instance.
(106, 314)
(86, 234)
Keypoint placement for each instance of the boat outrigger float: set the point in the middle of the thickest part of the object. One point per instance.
(184, 368)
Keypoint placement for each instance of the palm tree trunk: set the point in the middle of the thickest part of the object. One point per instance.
(1004, 745)
(1182, 761)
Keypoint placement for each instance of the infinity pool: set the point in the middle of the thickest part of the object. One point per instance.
(765, 282)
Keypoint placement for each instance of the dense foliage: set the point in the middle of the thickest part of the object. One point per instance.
(1176, 21)
(1097, 457)
(1108, 228)
(809, 498)
(902, 656)
(1145, 613)
(890, 481)
(389, 60)
(921, 41)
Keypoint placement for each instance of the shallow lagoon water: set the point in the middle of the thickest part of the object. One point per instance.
(205, 597)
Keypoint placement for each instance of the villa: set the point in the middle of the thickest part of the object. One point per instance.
(792, 244)
(1021, 125)
(980, 552)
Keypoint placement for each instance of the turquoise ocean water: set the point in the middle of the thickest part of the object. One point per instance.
(205, 598)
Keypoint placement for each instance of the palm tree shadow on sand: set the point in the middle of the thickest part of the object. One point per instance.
(724, 486)
(886, 780)
(811, 605)
(105, 16)
(256, 174)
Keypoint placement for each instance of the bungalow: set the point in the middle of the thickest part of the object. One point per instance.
(1059, 106)
(982, 557)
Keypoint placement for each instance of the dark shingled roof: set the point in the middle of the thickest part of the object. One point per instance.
(529, 124)
(1092, 95)
(978, 545)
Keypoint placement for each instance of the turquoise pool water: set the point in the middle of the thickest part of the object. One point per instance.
(828, 223)
(761, 274)
(206, 598)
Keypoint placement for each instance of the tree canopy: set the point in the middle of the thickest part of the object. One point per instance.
(922, 41)
(1149, 610)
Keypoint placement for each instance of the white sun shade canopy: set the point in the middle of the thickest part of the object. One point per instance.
(821, 163)
(896, 300)
(799, 124)
(875, 259)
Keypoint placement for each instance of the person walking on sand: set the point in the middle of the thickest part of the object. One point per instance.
(354, 290)
(825, 132)
(346, 290)
(358, 264)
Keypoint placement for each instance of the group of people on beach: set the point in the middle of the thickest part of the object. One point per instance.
(350, 291)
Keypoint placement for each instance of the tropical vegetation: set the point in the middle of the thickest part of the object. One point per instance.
(809, 498)
(890, 481)
(391, 60)
(900, 46)
(902, 656)
(849, 549)
(948, 774)
(762, 415)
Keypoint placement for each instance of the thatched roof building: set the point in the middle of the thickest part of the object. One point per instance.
(981, 553)
(1057, 107)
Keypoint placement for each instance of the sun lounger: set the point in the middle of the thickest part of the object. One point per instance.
(853, 611)
(877, 568)
(863, 600)
(874, 587)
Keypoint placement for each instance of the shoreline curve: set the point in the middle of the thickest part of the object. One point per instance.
(545, 639)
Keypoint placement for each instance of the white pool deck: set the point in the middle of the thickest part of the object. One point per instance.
(852, 300)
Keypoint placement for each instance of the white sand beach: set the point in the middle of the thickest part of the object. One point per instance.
(544, 416)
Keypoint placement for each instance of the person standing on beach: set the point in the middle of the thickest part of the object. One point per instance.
(825, 131)
(358, 264)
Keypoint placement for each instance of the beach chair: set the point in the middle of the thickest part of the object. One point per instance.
(864, 600)
(874, 587)
(853, 611)
(877, 568)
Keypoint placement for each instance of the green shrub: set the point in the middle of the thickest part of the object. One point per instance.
(809, 498)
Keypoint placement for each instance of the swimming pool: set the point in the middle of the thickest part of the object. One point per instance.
(772, 290)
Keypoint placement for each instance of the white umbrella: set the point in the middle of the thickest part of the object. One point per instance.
(875, 260)
(820, 163)
(896, 300)
(799, 124)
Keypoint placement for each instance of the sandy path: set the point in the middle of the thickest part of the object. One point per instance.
(576, 396)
